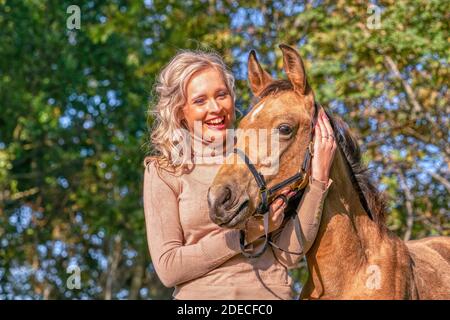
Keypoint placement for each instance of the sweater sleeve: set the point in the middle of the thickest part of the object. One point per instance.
(173, 261)
(309, 213)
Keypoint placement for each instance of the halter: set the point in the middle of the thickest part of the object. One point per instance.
(297, 183)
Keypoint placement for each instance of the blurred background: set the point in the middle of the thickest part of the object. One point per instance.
(74, 125)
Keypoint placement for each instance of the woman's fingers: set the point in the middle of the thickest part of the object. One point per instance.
(277, 218)
(332, 138)
(279, 201)
(277, 209)
(327, 125)
(276, 204)
(255, 227)
(318, 133)
(327, 134)
(325, 147)
(277, 213)
(323, 129)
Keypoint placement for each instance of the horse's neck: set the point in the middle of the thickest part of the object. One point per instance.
(348, 241)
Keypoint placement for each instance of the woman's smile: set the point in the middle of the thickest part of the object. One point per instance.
(216, 123)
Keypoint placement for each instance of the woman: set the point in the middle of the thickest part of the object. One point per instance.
(190, 252)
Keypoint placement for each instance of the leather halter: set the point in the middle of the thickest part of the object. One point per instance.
(297, 183)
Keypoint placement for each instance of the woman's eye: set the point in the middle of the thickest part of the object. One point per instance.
(285, 129)
(223, 94)
(199, 101)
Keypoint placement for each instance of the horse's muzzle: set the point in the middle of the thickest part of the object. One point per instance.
(224, 209)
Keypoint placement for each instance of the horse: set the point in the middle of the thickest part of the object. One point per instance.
(355, 255)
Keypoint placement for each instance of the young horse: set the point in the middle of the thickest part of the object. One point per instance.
(354, 256)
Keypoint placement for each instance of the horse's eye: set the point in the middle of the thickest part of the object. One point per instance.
(285, 129)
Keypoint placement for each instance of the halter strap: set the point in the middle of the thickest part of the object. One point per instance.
(266, 240)
(260, 181)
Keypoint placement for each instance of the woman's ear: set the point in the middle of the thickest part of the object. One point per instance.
(182, 118)
(234, 116)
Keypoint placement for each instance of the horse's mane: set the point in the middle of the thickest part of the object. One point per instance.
(359, 173)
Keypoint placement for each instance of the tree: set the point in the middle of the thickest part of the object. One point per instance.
(73, 126)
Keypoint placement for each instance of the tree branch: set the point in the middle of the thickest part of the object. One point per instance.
(6, 196)
(441, 179)
(417, 107)
(113, 262)
(409, 207)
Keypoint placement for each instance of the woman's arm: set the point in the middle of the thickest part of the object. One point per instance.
(309, 213)
(174, 262)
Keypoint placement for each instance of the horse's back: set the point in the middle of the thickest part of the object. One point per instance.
(431, 257)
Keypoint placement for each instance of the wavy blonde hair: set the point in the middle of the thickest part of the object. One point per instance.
(171, 94)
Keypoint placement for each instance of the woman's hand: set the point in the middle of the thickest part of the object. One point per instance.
(255, 227)
(324, 148)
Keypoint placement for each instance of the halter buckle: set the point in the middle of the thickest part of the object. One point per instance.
(311, 148)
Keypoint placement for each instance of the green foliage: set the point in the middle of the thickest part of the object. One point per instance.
(73, 127)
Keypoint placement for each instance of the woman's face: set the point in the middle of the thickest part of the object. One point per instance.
(209, 105)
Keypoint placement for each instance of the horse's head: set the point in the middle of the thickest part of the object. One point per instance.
(285, 110)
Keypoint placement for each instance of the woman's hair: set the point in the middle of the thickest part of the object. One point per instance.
(171, 87)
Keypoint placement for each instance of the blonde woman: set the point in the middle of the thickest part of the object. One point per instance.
(188, 251)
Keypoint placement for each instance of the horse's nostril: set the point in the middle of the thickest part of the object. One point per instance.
(227, 195)
(219, 199)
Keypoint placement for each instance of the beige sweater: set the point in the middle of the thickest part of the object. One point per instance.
(202, 260)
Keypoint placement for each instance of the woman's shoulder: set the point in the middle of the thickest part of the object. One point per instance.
(157, 169)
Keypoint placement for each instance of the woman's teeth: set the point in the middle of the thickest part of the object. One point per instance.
(217, 121)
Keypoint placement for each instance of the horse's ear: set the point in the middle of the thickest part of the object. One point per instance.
(294, 68)
(258, 78)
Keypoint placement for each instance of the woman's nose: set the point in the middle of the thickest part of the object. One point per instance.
(214, 106)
